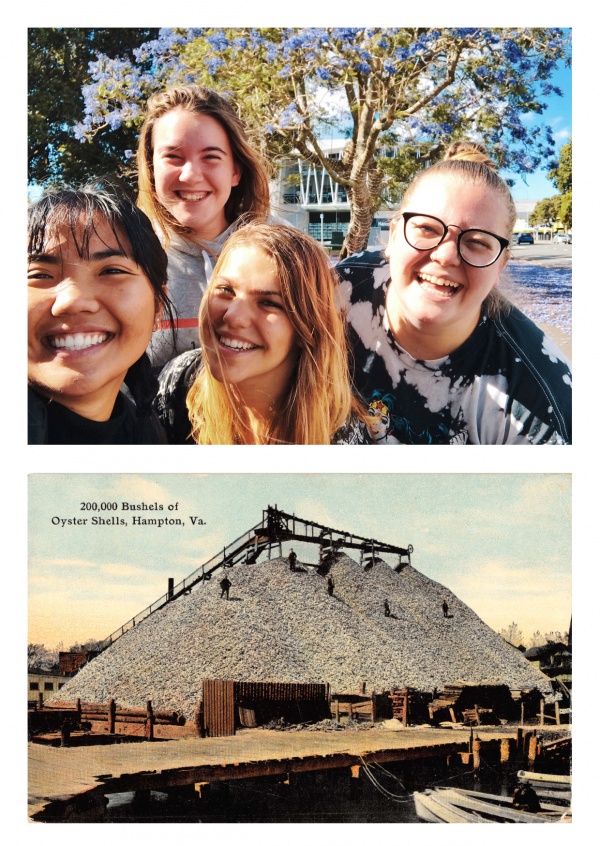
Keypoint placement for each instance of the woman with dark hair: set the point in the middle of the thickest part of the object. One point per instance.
(428, 329)
(197, 176)
(96, 286)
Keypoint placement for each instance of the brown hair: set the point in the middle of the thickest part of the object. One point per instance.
(250, 196)
(319, 399)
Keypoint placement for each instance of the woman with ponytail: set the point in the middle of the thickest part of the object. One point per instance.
(440, 356)
(96, 287)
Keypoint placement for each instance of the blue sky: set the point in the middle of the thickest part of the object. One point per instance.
(501, 543)
(558, 115)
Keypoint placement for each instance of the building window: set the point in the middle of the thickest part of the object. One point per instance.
(48, 686)
(34, 686)
(60, 684)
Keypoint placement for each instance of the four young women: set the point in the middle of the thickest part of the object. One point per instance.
(438, 355)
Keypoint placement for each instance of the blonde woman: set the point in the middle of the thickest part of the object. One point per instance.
(273, 365)
(197, 175)
(440, 356)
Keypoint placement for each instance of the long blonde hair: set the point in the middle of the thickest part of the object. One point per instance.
(319, 399)
(250, 197)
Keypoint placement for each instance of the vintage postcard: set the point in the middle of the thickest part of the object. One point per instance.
(284, 648)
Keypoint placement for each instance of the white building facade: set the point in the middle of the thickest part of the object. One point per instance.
(307, 197)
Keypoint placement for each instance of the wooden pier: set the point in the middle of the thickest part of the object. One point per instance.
(63, 779)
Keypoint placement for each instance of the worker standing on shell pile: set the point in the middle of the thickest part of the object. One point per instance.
(225, 584)
(445, 608)
(330, 585)
(386, 608)
(292, 557)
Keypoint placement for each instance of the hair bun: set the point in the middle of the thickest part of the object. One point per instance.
(469, 151)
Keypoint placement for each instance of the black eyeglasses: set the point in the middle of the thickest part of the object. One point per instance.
(475, 246)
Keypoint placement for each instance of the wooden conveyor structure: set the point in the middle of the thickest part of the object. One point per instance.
(275, 528)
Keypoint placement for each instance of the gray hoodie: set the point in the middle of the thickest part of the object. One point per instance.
(189, 271)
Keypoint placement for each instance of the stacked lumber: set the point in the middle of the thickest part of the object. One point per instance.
(476, 704)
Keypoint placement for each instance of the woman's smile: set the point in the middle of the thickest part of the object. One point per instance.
(237, 345)
(438, 285)
(78, 341)
(434, 298)
(256, 346)
(90, 319)
(194, 170)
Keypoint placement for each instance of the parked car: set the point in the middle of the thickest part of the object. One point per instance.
(525, 238)
(562, 238)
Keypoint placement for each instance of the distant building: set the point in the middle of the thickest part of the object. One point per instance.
(70, 662)
(524, 210)
(42, 684)
(307, 197)
(553, 659)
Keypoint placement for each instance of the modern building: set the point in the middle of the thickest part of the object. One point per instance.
(307, 197)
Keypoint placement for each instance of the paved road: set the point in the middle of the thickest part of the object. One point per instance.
(544, 251)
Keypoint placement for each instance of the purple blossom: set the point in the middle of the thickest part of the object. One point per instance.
(218, 41)
(295, 42)
(362, 67)
(114, 120)
(345, 34)
(512, 51)
(129, 154)
(256, 39)
(272, 52)
(213, 63)
(323, 73)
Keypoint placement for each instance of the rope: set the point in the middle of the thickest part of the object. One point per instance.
(394, 797)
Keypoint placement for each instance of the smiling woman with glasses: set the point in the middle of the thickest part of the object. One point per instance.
(457, 363)
(475, 246)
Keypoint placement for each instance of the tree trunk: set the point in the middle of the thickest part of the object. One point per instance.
(362, 210)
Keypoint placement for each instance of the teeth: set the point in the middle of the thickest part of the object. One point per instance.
(79, 341)
(237, 345)
(199, 196)
(435, 280)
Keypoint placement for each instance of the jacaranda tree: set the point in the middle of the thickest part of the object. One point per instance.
(57, 67)
(411, 89)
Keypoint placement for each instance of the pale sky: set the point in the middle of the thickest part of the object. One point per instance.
(501, 543)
